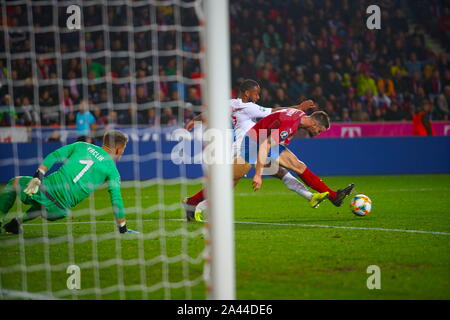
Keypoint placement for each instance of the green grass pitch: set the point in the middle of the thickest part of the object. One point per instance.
(284, 249)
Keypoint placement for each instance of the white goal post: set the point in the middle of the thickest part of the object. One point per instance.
(220, 188)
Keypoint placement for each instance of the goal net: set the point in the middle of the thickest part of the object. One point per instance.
(136, 66)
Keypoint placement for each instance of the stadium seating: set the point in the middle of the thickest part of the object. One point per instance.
(295, 49)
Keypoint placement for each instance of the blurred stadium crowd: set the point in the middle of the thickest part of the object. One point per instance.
(322, 50)
(152, 70)
(295, 49)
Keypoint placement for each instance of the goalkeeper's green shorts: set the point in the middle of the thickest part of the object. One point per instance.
(40, 202)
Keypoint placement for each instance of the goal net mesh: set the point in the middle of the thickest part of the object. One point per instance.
(138, 64)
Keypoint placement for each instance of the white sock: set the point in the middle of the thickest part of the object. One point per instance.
(202, 206)
(293, 184)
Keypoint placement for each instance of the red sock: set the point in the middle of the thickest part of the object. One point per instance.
(315, 183)
(196, 198)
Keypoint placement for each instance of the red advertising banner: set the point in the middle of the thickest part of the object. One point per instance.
(383, 129)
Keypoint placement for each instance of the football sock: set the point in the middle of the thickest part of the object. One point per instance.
(293, 184)
(196, 198)
(202, 206)
(316, 183)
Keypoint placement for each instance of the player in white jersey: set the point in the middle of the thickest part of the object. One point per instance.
(244, 114)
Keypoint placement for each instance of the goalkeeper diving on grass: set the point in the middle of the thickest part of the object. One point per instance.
(85, 168)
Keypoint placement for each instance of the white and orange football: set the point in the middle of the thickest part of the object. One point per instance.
(361, 205)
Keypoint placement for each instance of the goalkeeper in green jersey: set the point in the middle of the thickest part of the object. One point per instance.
(86, 167)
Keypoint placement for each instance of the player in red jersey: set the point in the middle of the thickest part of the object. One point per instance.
(244, 113)
(277, 130)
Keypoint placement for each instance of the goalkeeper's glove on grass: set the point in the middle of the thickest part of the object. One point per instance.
(123, 229)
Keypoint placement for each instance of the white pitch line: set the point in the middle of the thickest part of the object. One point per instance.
(284, 193)
(273, 224)
(25, 295)
(342, 227)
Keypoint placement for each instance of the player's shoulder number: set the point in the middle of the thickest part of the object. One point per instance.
(87, 165)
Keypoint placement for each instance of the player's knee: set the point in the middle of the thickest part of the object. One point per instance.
(281, 173)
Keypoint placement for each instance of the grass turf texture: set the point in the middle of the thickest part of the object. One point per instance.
(290, 256)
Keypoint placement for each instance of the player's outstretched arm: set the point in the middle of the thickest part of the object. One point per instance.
(305, 105)
(59, 155)
(117, 202)
(260, 161)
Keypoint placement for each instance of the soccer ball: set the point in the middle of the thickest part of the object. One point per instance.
(361, 205)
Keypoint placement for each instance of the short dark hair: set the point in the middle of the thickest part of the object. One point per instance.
(322, 118)
(248, 84)
(114, 138)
